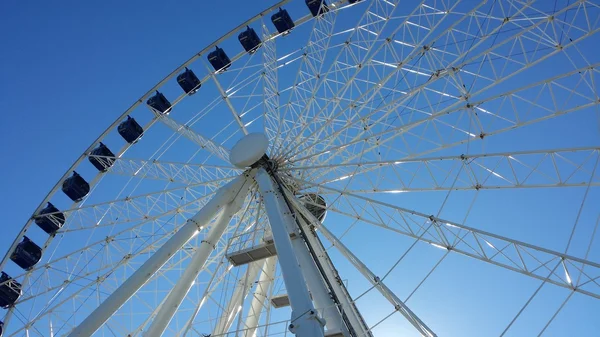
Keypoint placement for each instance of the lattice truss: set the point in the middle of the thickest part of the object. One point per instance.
(366, 103)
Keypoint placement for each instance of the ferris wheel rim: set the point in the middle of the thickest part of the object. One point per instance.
(121, 152)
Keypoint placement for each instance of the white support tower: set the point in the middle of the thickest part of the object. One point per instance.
(178, 293)
(305, 322)
(191, 228)
(234, 306)
(347, 306)
(317, 297)
(260, 295)
(314, 280)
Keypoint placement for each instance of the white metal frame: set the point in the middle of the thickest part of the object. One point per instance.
(99, 316)
(316, 172)
(305, 321)
(348, 307)
(259, 296)
(176, 296)
(314, 280)
(234, 305)
(398, 304)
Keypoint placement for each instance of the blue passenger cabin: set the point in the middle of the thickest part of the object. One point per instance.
(219, 60)
(75, 187)
(249, 40)
(315, 7)
(50, 219)
(130, 130)
(159, 103)
(188, 81)
(10, 290)
(27, 254)
(102, 157)
(282, 21)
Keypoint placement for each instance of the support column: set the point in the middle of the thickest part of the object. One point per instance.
(260, 295)
(305, 321)
(192, 226)
(355, 319)
(184, 284)
(314, 280)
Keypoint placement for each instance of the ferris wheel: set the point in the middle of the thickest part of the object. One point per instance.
(348, 169)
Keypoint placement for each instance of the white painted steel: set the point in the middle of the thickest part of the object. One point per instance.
(183, 285)
(370, 99)
(456, 233)
(202, 141)
(191, 228)
(234, 306)
(319, 293)
(372, 278)
(259, 296)
(314, 280)
(304, 321)
(207, 293)
(348, 307)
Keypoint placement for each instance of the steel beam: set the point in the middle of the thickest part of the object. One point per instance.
(185, 282)
(190, 229)
(304, 321)
(260, 295)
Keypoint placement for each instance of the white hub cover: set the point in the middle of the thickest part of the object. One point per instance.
(249, 150)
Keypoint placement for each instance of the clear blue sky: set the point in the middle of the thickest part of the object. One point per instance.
(69, 68)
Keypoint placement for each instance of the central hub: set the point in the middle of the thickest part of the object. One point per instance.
(249, 150)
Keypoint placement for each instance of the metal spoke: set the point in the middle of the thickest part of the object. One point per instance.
(202, 141)
(307, 79)
(391, 134)
(520, 169)
(368, 274)
(270, 80)
(511, 254)
(433, 112)
(366, 61)
(185, 173)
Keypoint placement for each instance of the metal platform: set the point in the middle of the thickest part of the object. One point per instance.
(283, 300)
(255, 253)
(334, 334)
(280, 301)
(258, 252)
